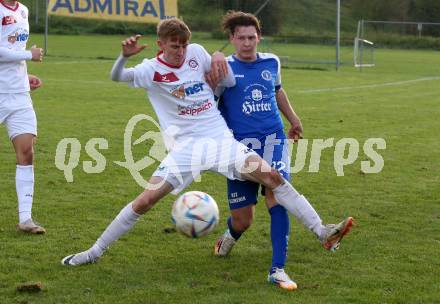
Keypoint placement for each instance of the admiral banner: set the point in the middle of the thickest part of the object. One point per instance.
(143, 11)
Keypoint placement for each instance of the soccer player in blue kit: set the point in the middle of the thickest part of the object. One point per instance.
(252, 111)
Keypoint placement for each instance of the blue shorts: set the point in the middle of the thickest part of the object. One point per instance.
(273, 149)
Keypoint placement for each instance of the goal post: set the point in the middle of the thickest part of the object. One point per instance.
(363, 53)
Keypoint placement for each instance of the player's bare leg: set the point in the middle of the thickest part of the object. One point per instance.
(123, 222)
(241, 219)
(23, 145)
(256, 169)
(24, 181)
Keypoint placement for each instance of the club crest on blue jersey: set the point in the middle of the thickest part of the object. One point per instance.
(257, 95)
(266, 75)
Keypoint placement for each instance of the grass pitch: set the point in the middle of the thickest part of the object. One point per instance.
(391, 256)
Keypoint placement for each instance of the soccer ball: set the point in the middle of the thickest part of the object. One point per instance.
(195, 214)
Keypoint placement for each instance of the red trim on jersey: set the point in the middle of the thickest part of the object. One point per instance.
(166, 63)
(10, 7)
(169, 77)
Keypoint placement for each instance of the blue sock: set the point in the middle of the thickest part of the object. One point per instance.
(236, 235)
(279, 234)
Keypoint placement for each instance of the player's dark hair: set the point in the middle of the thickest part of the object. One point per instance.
(174, 29)
(232, 19)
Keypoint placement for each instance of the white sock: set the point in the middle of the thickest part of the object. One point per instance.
(24, 185)
(123, 222)
(298, 205)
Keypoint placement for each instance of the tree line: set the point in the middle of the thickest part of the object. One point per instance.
(296, 21)
(280, 15)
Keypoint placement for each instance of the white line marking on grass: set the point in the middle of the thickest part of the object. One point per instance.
(368, 86)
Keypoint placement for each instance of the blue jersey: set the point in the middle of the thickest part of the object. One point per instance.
(250, 107)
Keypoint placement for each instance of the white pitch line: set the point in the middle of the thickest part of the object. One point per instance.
(368, 86)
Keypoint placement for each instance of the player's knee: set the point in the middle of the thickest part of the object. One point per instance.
(273, 179)
(25, 156)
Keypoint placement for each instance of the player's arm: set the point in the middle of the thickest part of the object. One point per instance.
(220, 76)
(219, 66)
(34, 82)
(221, 71)
(295, 130)
(119, 72)
(228, 81)
(217, 70)
(130, 47)
(7, 55)
(34, 54)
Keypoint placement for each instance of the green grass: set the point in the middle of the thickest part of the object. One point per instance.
(391, 256)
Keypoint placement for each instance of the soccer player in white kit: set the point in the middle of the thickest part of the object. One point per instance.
(16, 111)
(184, 104)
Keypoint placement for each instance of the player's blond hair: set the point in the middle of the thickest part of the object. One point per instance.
(232, 19)
(174, 29)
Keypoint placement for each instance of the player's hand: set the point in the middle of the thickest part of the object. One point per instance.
(219, 67)
(37, 53)
(213, 84)
(34, 82)
(131, 47)
(296, 130)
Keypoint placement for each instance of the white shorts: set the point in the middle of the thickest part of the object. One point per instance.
(189, 158)
(17, 113)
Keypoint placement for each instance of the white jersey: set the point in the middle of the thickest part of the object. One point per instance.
(182, 99)
(14, 34)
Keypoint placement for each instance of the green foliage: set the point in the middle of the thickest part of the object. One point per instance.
(391, 256)
(201, 15)
(76, 26)
(396, 10)
(406, 42)
(299, 21)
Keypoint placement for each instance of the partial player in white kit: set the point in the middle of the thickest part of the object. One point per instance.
(200, 139)
(16, 111)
